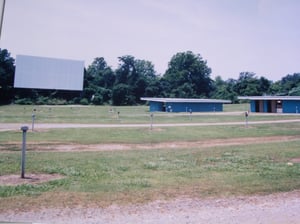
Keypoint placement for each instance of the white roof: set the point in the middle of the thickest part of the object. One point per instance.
(184, 100)
(269, 97)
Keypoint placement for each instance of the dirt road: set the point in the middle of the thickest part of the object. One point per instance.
(275, 209)
(17, 126)
(209, 143)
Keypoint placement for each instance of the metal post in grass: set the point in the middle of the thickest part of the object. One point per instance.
(246, 119)
(151, 121)
(23, 159)
(33, 119)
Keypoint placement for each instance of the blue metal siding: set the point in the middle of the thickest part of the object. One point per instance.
(252, 106)
(156, 106)
(265, 106)
(290, 106)
(260, 106)
(194, 107)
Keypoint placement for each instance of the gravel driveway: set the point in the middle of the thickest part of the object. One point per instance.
(276, 208)
(17, 126)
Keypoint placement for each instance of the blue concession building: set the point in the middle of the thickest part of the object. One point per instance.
(273, 104)
(184, 105)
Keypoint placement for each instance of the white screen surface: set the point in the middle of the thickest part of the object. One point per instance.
(48, 73)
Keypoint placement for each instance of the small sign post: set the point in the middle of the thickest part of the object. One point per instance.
(246, 118)
(33, 119)
(23, 159)
(151, 121)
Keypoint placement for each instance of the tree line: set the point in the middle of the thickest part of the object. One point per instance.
(187, 76)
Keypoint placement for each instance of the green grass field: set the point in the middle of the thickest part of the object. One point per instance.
(127, 115)
(138, 176)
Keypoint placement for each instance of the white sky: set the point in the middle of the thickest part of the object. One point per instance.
(260, 36)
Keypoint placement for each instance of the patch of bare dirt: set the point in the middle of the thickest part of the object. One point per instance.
(295, 160)
(13, 180)
(62, 147)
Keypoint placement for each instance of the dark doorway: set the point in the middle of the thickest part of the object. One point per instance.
(269, 106)
(257, 106)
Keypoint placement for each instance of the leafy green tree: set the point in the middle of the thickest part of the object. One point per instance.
(137, 75)
(295, 91)
(275, 88)
(145, 76)
(122, 95)
(102, 74)
(264, 85)
(98, 82)
(186, 89)
(289, 82)
(164, 87)
(187, 76)
(247, 84)
(101, 96)
(7, 71)
(189, 73)
(126, 72)
(145, 69)
(225, 89)
(154, 88)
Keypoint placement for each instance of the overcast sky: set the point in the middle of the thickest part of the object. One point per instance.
(233, 36)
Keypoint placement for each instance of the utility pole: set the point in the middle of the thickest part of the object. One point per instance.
(2, 6)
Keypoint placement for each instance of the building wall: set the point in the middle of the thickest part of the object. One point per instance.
(156, 106)
(252, 106)
(290, 106)
(185, 107)
(194, 107)
(265, 106)
(258, 106)
(273, 106)
(270, 106)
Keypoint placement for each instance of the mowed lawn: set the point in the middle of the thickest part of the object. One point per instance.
(138, 176)
(124, 115)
